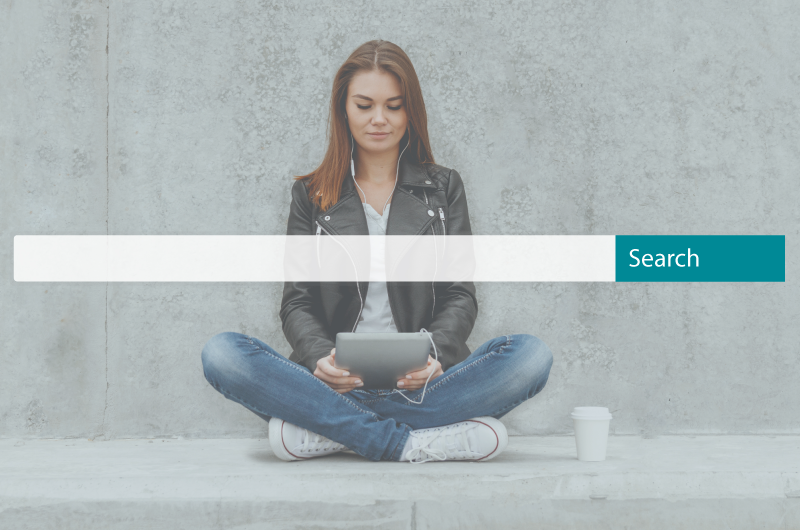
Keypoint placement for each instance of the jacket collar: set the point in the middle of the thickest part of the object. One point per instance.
(408, 214)
(410, 173)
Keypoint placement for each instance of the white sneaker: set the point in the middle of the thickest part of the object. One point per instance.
(290, 442)
(480, 438)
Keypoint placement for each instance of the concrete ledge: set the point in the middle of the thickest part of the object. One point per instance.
(747, 482)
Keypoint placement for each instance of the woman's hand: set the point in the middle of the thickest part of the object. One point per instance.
(339, 380)
(416, 380)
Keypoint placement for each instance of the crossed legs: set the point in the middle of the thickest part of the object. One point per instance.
(498, 376)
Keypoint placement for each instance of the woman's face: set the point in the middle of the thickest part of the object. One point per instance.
(376, 111)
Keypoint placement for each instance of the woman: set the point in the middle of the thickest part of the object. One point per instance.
(379, 160)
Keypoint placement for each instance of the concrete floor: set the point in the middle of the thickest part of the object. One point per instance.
(747, 482)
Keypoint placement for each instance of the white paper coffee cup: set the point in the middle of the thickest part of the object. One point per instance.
(591, 432)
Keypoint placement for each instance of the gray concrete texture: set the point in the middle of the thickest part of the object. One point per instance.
(190, 117)
(672, 482)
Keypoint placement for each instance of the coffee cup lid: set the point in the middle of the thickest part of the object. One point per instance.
(591, 413)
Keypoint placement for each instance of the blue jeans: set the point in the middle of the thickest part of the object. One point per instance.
(495, 378)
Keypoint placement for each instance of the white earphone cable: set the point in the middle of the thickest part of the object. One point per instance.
(397, 170)
(425, 387)
(361, 299)
(353, 174)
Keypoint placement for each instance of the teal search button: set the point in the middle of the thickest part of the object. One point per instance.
(700, 258)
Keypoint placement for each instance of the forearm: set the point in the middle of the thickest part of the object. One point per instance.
(457, 310)
(302, 326)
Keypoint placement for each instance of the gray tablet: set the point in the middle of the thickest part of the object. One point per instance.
(381, 359)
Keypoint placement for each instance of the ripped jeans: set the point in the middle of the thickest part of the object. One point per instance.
(499, 375)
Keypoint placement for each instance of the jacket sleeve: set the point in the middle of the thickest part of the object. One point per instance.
(303, 324)
(456, 306)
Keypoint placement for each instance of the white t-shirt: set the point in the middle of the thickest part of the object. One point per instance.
(376, 317)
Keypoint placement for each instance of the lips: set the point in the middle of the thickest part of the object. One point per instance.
(379, 135)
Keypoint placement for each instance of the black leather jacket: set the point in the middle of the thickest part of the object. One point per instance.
(313, 312)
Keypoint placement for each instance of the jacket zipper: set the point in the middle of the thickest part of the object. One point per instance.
(319, 229)
(441, 215)
(433, 287)
(426, 202)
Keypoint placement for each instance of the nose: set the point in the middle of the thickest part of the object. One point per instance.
(378, 117)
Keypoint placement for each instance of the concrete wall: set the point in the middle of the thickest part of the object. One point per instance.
(190, 117)
(53, 180)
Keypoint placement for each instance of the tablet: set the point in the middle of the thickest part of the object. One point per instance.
(381, 359)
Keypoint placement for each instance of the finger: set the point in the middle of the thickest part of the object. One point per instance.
(420, 374)
(413, 375)
(429, 374)
(337, 388)
(416, 384)
(412, 383)
(332, 380)
(325, 378)
(332, 371)
(350, 381)
(342, 376)
(347, 387)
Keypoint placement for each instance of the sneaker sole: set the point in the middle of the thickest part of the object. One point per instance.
(499, 430)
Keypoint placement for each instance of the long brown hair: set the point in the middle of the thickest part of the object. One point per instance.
(326, 181)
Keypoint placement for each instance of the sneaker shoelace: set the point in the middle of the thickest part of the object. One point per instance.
(443, 443)
(313, 443)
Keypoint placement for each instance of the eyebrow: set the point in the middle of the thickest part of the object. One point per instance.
(370, 99)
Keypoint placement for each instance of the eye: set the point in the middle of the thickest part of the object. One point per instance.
(365, 107)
